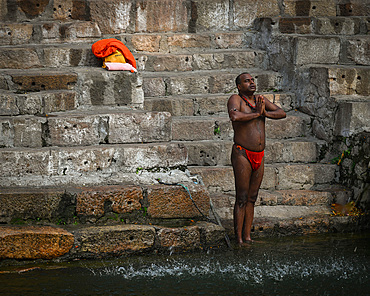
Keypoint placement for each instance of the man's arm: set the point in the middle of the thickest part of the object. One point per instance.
(235, 114)
(271, 110)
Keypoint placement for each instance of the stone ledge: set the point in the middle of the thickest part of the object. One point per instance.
(31, 242)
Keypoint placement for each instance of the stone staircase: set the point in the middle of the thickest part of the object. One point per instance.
(82, 147)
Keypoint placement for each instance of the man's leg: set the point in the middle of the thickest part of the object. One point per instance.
(254, 186)
(242, 175)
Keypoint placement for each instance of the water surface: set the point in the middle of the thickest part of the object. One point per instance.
(336, 264)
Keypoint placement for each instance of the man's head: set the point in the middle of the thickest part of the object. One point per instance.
(245, 83)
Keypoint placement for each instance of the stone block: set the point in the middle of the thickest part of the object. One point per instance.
(31, 242)
(175, 201)
(36, 81)
(353, 8)
(267, 198)
(114, 240)
(93, 202)
(14, 34)
(285, 101)
(301, 25)
(8, 104)
(192, 129)
(57, 57)
(309, 8)
(211, 234)
(224, 205)
(179, 85)
(289, 212)
(188, 42)
(154, 87)
(147, 43)
(139, 127)
(300, 176)
(337, 26)
(358, 50)
(154, 156)
(161, 16)
(210, 104)
(58, 101)
(212, 15)
(6, 132)
(352, 117)
(208, 153)
(19, 58)
(77, 130)
(28, 131)
(180, 106)
(117, 11)
(289, 127)
(23, 163)
(216, 179)
(223, 83)
(349, 81)
(304, 197)
(227, 40)
(177, 239)
(169, 63)
(29, 203)
(290, 151)
(101, 87)
(245, 12)
(323, 50)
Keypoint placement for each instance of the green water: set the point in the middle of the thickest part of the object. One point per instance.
(309, 265)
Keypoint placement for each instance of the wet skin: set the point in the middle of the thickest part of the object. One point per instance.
(249, 132)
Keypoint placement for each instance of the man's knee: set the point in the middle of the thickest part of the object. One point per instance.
(252, 198)
(241, 199)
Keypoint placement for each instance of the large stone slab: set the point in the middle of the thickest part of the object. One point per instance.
(161, 16)
(19, 204)
(86, 165)
(313, 50)
(176, 239)
(309, 8)
(34, 242)
(98, 86)
(353, 115)
(176, 202)
(25, 131)
(113, 240)
(34, 80)
(94, 202)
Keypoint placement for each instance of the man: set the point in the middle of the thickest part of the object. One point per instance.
(247, 113)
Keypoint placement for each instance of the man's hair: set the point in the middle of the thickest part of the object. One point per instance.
(238, 80)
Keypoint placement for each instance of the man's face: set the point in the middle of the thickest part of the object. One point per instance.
(247, 84)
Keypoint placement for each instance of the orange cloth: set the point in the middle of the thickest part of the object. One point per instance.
(106, 47)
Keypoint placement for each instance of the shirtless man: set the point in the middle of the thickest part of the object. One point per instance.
(247, 113)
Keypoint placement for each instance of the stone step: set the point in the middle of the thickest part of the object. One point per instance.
(205, 60)
(101, 164)
(334, 25)
(94, 85)
(197, 128)
(277, 176)
(65, 205)
(85, 128)
(46, 242)
(159, 84)
(353, 115)
(27, 56)
(217, 153)
(49, 32)
(73, 55)
(208, 104)
(36, 103)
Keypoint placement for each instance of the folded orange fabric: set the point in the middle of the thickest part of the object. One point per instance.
(106, 47)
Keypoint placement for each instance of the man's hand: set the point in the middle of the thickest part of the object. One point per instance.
(260, 105)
